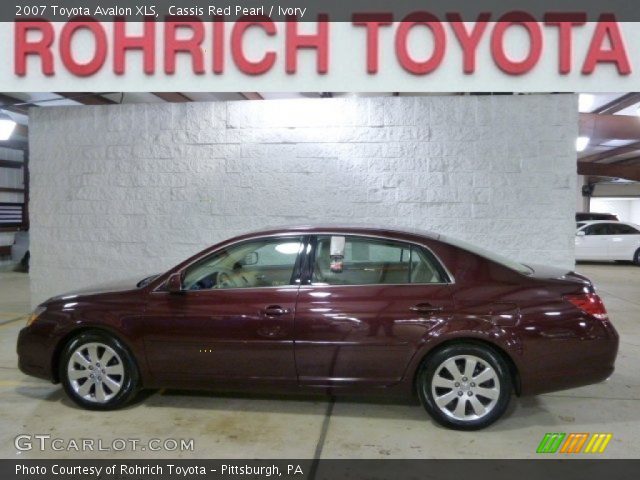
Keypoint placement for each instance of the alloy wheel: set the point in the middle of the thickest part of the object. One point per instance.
(95, 372)
(465, 387)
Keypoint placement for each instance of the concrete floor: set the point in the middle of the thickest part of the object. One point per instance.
(234, 426)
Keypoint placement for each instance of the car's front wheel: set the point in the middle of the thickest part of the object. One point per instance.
(636, 257)
(98, 372)
(465, 386)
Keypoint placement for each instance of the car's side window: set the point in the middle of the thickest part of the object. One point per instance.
(267, 262)
(622, 229)
(425, 268)
(368, 261)
(597, 229)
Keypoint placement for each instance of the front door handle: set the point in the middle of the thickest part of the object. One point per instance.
(275, 310)
(425, 308)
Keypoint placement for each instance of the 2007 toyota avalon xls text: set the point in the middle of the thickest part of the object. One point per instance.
(338, 310)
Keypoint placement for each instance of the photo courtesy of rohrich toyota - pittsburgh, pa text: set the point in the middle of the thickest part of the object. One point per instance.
(319, 240)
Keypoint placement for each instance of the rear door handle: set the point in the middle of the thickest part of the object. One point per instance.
(425, 308)
(275, 310)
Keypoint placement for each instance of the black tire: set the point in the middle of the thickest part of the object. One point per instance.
(636, 257)
(128, 380)
(488, 357)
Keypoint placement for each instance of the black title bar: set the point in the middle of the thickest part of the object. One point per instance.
(305, 10)
(543, 468)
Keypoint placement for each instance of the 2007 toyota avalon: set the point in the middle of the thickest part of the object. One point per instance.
(338, 310)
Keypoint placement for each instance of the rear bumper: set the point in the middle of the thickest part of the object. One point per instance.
(574, 363)
(566, 379)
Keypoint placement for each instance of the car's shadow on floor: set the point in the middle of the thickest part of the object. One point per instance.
(605, 262)
(519, 414)
(391, 408)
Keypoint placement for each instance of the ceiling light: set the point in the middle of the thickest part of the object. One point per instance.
(581, 143)
(7, 126)
(288, 248)
(585, 102)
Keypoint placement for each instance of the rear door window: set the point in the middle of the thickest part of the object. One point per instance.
(622, 229)
(352, 260)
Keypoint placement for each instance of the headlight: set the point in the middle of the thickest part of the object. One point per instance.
(35, 314)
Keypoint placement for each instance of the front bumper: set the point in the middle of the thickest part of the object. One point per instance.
(35, 352)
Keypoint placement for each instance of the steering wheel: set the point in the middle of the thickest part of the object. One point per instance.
(225, 280)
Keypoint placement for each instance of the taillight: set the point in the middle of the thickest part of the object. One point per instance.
(589, 303)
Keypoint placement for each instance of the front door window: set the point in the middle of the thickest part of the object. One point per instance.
(268, 262)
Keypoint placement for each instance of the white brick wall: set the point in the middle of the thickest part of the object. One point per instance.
(133, 189)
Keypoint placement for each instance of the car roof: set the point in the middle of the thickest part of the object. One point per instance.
(596, 213)
(363, 229)
(593, 222)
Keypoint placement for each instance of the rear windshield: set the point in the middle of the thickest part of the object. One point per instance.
(494, 257)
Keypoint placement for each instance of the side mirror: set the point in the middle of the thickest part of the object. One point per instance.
(174, 283)
(580, 233)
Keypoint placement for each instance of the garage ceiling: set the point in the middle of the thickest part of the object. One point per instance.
(611, 121)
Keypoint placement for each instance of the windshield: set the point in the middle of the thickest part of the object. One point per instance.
(494, 257)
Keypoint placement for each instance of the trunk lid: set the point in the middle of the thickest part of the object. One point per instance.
(563, 275)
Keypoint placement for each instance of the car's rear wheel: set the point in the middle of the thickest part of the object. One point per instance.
(636, 257)
(98, 372)
(465, 386)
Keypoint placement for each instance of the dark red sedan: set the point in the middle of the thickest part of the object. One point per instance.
(339, 310)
